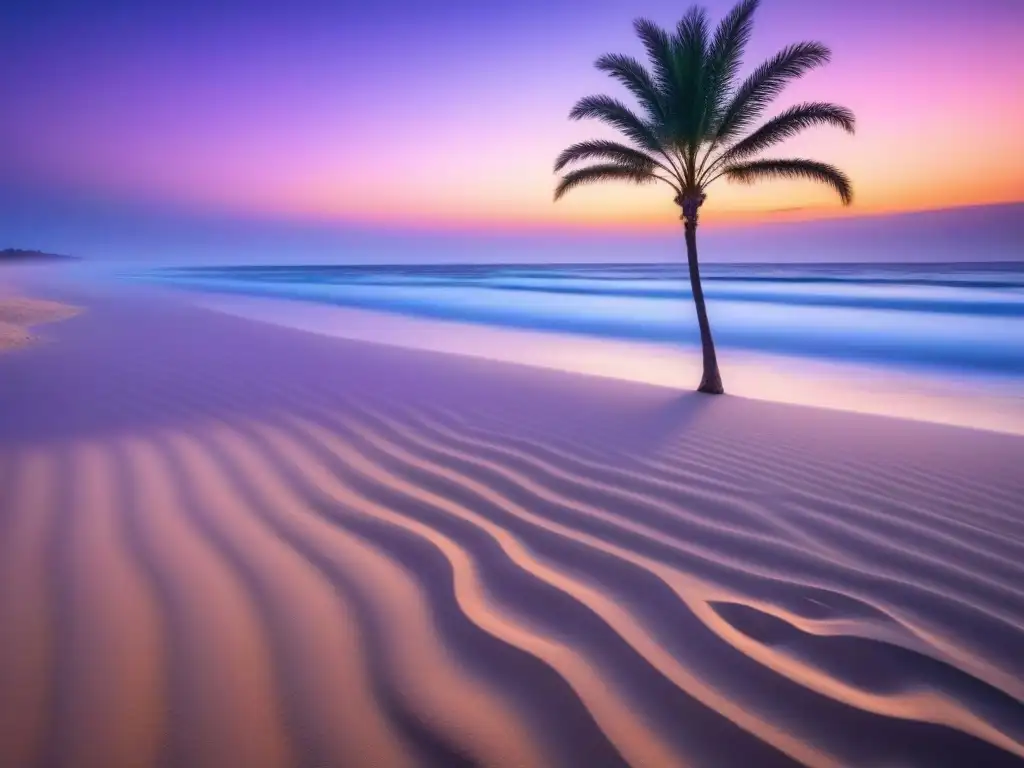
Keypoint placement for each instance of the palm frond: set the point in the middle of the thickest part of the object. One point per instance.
(659, 53)
(632, 74)
(765, 83)
(798, 168)
(692, 33)
(726, 52)
(616, 114)
(788, 124)
(602, 172)
(690, 46)
(606, 150)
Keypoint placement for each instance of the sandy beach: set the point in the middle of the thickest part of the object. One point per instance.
(226, 543)
(19, 314)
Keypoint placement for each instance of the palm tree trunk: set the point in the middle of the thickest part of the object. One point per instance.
(711, 382)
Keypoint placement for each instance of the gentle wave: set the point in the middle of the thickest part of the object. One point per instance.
(948, 318)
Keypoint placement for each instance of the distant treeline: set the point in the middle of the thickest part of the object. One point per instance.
(20, 254)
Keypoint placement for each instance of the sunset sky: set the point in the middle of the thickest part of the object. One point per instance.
(448, 115)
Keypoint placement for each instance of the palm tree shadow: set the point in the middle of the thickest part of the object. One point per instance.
(646, 428)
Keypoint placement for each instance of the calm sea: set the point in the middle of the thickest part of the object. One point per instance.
(955, 318)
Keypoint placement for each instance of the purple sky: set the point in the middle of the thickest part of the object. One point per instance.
(135, 128)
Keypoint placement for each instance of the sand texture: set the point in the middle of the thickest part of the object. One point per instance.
(17, 314)
(224, 543)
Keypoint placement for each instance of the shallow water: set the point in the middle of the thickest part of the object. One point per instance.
(950, 318)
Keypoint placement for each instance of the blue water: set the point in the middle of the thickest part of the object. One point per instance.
(957, 318)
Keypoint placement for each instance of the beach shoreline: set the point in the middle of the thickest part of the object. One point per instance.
(963, 401)
(226, 542)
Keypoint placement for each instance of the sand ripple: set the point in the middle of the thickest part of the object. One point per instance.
(373, 583)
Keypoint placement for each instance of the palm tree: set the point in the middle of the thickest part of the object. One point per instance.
(695, 122)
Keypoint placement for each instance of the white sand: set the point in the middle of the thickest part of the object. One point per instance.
(224, 543)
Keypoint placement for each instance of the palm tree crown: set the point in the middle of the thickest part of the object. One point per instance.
(696, 120)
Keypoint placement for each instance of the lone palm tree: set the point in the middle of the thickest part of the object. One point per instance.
(695, 126)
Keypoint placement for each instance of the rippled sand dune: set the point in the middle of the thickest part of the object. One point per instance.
(228, 544)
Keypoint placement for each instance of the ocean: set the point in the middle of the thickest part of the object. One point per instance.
(959, 319)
